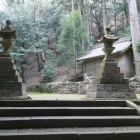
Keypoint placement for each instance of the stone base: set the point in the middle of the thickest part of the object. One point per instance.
(12, 89)
(111, 91)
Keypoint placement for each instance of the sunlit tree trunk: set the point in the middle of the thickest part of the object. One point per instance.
(135, 32)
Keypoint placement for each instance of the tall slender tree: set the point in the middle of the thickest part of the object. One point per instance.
(80, 10)
(105, 21)
(135, 32)
(88, 18)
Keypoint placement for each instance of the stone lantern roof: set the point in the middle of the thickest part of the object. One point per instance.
(108, 37)
(7, 32)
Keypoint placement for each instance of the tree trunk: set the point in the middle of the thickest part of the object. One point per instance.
(115, 18)
(75, 50)
(138, 4)
(23, 73)
(79, 8)
(135, 32)
(88, 18)
(105, 23)
(126, 11)
(38, 62)
(72, 3)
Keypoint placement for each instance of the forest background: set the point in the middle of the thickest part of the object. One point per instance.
(62, 30)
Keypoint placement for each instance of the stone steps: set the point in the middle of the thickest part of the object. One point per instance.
(49, 103)
(66, 111)
(104, 133)
(79, 130)
(96, 136)
(69, 120)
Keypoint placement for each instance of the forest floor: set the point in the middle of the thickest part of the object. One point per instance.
(51, 96)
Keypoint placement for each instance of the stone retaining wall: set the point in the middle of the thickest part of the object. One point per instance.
(63, 87)
(75, 87)
(134, 82)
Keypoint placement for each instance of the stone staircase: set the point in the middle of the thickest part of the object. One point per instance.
(69, 120)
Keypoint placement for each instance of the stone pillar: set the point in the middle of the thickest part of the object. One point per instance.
(11, 86)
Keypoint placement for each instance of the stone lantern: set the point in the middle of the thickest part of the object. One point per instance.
(109, 82)
(108, 41)
(11, 86)
(7, 34)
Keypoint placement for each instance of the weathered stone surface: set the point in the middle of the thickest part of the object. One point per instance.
(10, 78)
(11, 85)
(61, 87)
(9, 66)
(114, 91)
(109, 73)
(134, 83)
(11, 89)
(8, 72)
(109, 82)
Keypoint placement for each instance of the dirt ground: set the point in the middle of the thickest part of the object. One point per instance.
(43, 96)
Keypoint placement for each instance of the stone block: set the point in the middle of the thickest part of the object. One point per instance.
(111, 81)
(112, 71)
(10, 78)
(5, 60)
(111, 64)
(11, 86)
(8, 72)
(126, 81)
(7, 66)
(114, 91)
(11, 89)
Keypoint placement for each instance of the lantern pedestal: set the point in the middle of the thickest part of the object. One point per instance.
(11, 86)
